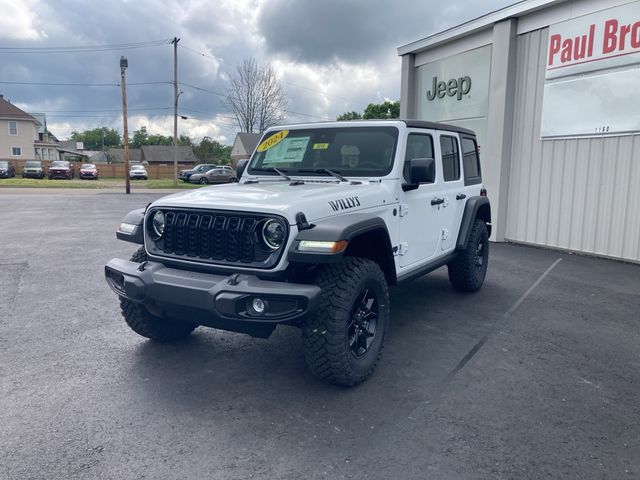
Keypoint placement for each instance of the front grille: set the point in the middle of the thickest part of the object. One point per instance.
(223, 238)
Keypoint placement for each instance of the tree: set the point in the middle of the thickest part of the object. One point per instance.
(386, 110)
(349, 116)
(93, 139)
(211, 151)
(141, 137)
(255, 96)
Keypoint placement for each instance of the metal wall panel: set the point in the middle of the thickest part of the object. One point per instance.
(580, 194)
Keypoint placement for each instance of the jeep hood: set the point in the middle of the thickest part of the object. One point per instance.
(315, 200)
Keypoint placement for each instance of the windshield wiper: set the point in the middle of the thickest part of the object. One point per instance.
(329, 172)
(272, 169)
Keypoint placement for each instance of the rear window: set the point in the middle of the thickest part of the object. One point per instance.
(471, 161)
(450, 158)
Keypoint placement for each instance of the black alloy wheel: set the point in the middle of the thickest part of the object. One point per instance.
(363, 323)
(204, 181)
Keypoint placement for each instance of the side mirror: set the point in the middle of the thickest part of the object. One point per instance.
(242, 164)
(419, 170)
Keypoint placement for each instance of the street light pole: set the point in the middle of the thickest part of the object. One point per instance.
(123, 66)
(175, 110)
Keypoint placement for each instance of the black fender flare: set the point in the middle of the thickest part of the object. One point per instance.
(134, 217)
(476, 207)
(349, 227)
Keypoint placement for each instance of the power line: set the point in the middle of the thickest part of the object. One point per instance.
(54, 84)
(199, 53)
(86, 48)
(108, 110)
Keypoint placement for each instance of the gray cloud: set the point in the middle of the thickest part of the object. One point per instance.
(334, 56)
(358, 31)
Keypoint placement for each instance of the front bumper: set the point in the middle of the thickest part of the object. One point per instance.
(210, 299)
(33, 174)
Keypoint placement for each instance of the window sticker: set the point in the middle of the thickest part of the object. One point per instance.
(320, 146)
(289, 150)
(272, 141)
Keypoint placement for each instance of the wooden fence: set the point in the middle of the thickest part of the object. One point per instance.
(111, 170)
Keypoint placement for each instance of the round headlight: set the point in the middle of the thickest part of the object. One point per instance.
(157, 223)
(273, 233)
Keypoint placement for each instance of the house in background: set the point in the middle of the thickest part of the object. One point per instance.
(116, 155)
(18, 132)
(244, 145)
(163, 155)
(47, 146)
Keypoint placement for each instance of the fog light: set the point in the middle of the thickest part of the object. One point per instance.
(259, 306)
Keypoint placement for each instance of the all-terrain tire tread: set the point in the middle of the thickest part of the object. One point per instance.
(325, 351)
(463, 274)
(147, 325)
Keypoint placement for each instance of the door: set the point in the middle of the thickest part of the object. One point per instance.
(452, 190)
(419, 223)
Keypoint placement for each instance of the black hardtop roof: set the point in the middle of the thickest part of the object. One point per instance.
(438, 126)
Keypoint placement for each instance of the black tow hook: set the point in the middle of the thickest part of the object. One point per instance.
(233, 279)
(142, 266)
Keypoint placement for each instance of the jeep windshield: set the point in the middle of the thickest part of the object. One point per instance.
(32, 165)
(347, 151)
(4, 164)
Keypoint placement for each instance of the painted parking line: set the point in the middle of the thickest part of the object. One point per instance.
(476, 348)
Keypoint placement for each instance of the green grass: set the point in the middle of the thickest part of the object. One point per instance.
(101, 183)
(167, 183)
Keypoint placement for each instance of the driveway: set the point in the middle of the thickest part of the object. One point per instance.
(535, 376)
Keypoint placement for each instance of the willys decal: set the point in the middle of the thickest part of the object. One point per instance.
(344, 203)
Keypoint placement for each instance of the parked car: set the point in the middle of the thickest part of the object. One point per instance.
(89, 171)
(7, 170)
(215, 175)
(137, 172)
(185, 175)
(33, 169)
(61, 169)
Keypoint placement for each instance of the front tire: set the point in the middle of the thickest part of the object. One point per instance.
(467, 271)
(203, 181)
(150, 326)
(345, 338)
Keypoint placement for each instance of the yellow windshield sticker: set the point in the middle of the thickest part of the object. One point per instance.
(320, 146)
(272, 141)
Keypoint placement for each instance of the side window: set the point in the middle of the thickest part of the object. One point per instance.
(470, 161)
(450, 158)
(419, 145)
(13, 128)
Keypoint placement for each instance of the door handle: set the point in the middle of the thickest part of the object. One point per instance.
(437, 201)
(461, 196)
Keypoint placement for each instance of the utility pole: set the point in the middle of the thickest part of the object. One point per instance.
(123, 66)
(175, 110)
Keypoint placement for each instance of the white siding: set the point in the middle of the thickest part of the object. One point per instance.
(577, 194)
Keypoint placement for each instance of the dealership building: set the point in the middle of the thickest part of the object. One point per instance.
(552, 89)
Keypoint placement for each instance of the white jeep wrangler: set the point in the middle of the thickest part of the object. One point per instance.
(324, 218)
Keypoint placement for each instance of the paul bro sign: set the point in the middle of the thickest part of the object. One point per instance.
(592, 75)
(607, 36)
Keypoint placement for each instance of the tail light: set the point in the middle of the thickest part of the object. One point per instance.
(483, 192)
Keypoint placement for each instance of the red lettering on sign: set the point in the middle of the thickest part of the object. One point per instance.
(565, 55)
(610, 38)
(554, 46)
(635, 35)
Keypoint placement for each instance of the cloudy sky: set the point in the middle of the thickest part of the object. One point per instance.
(331, 56)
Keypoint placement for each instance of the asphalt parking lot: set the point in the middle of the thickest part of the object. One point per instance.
(535, 376)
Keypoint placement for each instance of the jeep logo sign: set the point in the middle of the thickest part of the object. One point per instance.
(456, 87)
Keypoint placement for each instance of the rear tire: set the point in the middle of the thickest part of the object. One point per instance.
(345, 338)
(150, 326)
(467, 271)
